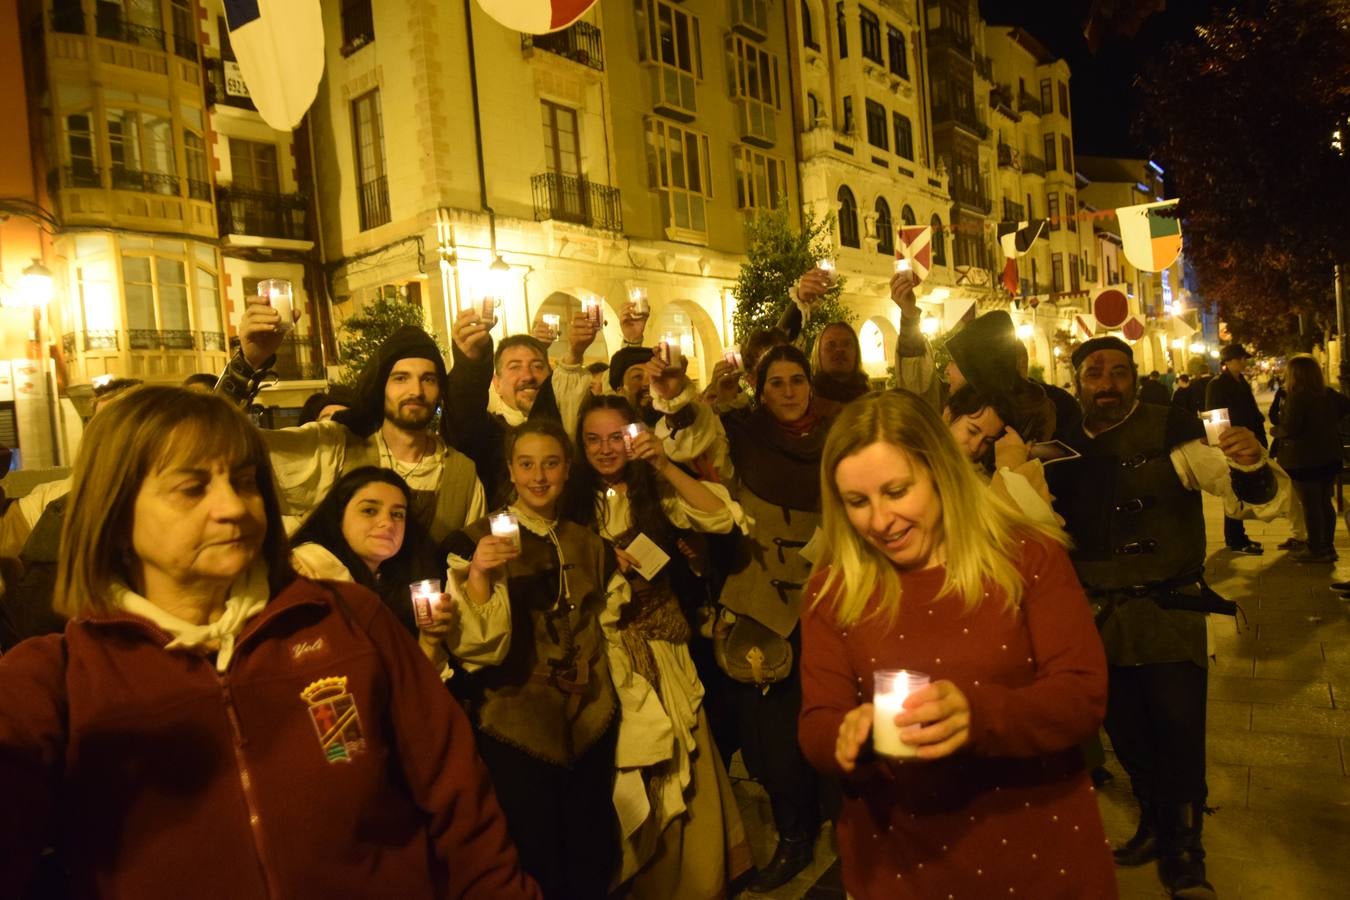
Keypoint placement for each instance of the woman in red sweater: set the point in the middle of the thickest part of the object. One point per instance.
(926, 570)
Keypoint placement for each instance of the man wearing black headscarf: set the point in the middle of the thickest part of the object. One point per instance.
(389, 423)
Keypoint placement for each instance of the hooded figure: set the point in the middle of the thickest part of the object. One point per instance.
(366, 414)
(985, 352)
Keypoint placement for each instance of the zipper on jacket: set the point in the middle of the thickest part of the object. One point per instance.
(246, 782)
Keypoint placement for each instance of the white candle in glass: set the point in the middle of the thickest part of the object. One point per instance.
(666, 348)
(426, 596)
(641, 307)
(279, 295)
(630, 433)
(1216, 423)
(591, 307)
(504, 524)
(553, 322)
(890, 687)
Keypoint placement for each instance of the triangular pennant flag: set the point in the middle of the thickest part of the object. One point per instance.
(279, 47)
(536, 16)
(1016, 238)
(1010, 276)
(956, 310)
(1150, 241)
(916, 245)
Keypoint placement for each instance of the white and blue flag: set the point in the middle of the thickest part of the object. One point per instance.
(279, 47)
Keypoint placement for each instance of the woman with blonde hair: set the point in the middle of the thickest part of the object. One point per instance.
(925, 570)
(211, 725)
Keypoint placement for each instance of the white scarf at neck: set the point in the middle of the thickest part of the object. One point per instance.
(499, 407)
(248, 595)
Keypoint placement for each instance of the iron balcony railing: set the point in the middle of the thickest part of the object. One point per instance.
(973, 199)
(75, 176)
(142, 339)
(1027, 102)
(110, 23)
(1012, 212)
(125, 179)
(299, 359)
(984, 67)
(373, 198)
(1001, 99)
(580, 43)
(944, 36)
(199, 190)
(185, 46)
(262, 214)
(160, 339)
(968, 119)
(1005, 156)
(1033, 164)
(569, 198)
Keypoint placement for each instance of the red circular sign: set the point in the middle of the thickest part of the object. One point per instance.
(1111, 308)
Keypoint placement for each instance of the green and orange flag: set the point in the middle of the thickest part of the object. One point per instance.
(1150, 234)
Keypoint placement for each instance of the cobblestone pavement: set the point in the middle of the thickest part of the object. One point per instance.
(1278, 741)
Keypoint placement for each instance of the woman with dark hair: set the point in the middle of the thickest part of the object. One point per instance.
(201, 687)
(361, 532)
(1310, 451)
(690, 843)
(536, 682)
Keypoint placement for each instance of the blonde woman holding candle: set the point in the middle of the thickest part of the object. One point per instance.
(925, 570)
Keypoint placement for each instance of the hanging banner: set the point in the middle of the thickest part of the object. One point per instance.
(956, 310)
(916, 245)
(536, 16)
(1084, 326)
(279, 47)
(1151, 242)
(1133, 329)
(1016, 238)
(1111, 307)
(1010, 279)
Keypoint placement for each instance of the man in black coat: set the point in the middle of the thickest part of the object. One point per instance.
(1230, 390)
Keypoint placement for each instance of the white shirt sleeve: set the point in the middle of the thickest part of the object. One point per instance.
(684, 515)
(306, 462)
(1204, 468)
(571, 386)
(704, 437)
(480, 635)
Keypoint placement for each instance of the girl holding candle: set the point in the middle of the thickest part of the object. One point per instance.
(924, 570)
(536, 679)
(361, 532)
(691, 842)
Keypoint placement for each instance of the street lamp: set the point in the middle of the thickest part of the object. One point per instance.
(36, 285)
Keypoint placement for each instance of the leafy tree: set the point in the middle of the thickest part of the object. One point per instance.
(364, 332)
(1241, 115)
(776, 256)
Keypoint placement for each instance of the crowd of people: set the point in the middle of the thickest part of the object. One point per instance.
(497, 629)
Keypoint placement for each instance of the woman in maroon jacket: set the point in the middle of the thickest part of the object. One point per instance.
(212, 725)
(925, 569)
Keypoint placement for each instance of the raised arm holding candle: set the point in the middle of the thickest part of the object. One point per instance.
(972, 783)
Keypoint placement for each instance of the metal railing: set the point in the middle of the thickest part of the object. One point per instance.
(1012, 212)
(212, 340)
(1033, 164)
(262, 214)
(968, 119)
(146, 182)
(109, 23)
(569, 198)
(984, 67)
(298, 358)
(1001, 98)
(159, 339)
(216, 89)
(580, 43)
(944, 36)
(974, 199)
(1005, 156)
(1026, 102)
(199, 190)
(185, 46)
(373, 198)
(80, 176)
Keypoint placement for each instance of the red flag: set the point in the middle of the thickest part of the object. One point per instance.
(916, 245)
(1010, 276)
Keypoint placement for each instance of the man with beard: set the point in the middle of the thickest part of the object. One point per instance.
(397, 395)
(491, 390)
(837, 374)
(1230, 390)
(628, 376)
(1132, 505)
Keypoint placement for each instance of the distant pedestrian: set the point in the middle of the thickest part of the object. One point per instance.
(1151, 390)
(1230, 390)
(1184, 396)
(1310, 451)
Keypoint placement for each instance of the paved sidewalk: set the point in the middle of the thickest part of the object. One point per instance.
(1278, 742)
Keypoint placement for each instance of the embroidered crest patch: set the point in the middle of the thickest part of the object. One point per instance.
(336, 722)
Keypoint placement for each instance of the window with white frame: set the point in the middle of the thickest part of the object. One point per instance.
(156, 294)
(670, 42)
(82, 149)
(761, 180)
(754, 79)
(678, 167)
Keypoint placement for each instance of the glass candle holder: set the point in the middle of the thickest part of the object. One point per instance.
(505, 525)
(279, 295)
(890, 687)
(426, 598)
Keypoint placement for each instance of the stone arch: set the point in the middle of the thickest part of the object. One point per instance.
(566, 304)
(876, 337)
(688, 317)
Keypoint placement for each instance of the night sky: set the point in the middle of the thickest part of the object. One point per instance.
(1103, 100)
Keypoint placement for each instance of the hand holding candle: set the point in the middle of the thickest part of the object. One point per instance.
(426, 597)
(1216, 422)
(890, 687)
(935, 720)
(505, 525)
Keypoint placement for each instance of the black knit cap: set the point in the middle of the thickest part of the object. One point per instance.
(985, 351)
(1106, 342)
(625, 359)
(366, 414)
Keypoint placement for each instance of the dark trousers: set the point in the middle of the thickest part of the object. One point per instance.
(1155, 716)
(1235, 533)
(560, 819)
(766, 725)
(1318, 515)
